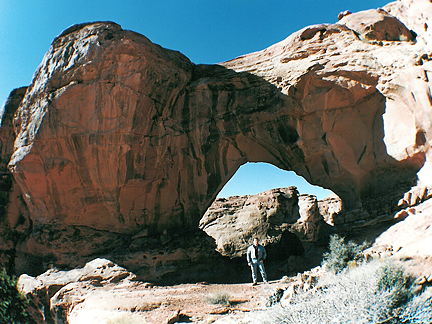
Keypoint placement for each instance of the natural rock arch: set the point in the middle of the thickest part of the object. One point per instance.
(117, 134)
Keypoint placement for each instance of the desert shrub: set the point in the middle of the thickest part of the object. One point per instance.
(341, 254)
(12, 302)
(275, 298)
(358, 295)
(418, 310)
(220, 298)
(394, 280)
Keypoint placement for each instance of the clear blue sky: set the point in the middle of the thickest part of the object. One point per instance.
(207, 31)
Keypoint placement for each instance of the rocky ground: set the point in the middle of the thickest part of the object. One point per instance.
(181, 303)
(103, 292)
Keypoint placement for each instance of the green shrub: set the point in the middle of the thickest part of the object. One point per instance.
(12, 302)
(341, 254)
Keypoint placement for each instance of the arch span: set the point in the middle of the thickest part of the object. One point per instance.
(148, 146)
(120, 141)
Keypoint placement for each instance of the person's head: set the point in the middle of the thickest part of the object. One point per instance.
(255, 241)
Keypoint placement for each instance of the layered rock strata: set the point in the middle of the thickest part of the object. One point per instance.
(121, 138)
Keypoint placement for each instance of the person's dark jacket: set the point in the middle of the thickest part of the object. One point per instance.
(251, 254)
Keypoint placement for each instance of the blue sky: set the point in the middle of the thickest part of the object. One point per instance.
(207, 31)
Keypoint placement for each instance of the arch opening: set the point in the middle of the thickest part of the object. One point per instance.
(278, 207)
(253, 178)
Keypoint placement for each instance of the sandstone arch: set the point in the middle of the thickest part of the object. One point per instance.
(117, 135)
(158, 163)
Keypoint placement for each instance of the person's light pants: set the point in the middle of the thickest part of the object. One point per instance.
(255, 265)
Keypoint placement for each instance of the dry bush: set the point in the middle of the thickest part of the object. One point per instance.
(341, 254)
(364, 294)
(394, 280)
(418, 310)
(219, 298)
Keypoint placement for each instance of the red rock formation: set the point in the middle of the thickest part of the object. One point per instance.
(95, 131)
(46, 291)
(119, 136)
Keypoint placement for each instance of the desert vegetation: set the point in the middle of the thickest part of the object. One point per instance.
(220, 298)
(342, 254)
(354, 290)
(12, 303)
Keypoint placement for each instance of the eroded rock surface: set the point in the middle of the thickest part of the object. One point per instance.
(120, 138)
(377, 25)
(278, 217)
(79, 299)
(46, 292)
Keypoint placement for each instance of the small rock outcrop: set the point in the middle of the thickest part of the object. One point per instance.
(53, 294)
(117, 138)
(377, 25)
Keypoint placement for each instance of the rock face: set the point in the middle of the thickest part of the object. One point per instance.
(274, 216)
(412, 235)
(95, 132)
(377, 25)
(118, 138)
(14, 217)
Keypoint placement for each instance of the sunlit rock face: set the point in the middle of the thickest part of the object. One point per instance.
(269, 216)
(95, 129)
(118, 137)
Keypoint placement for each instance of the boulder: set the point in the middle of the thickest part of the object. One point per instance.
(280, 218)
(414, 14)
(43, 291)
(329, 208)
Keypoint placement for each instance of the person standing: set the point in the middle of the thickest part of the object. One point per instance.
(255, 256)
